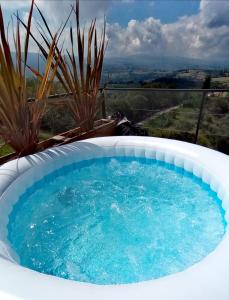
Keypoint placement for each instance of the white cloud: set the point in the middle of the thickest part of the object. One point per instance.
(14, 5)
(204, 35)
(57, 10)
(214, 14)
(137, 37)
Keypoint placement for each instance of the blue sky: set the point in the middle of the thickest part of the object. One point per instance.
(167, 11)
(122, 11)
(187, 28)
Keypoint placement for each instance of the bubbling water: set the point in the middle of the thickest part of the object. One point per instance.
(116, 220)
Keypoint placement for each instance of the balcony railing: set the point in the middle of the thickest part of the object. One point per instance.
(204, 111)
(196, 115)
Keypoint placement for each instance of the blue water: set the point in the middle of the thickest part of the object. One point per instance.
(116, 220)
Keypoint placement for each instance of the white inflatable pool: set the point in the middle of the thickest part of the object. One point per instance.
(206, 280)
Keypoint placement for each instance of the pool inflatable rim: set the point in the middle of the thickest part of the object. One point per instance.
(206, 280)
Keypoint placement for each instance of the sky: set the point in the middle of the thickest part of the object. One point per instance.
(167, 11)
(185, 28)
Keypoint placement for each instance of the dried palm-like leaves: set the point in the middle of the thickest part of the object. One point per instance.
(80, 70)
(19, 119)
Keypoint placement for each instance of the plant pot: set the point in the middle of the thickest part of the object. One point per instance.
(103, 127)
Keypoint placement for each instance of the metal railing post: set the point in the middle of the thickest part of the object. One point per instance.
(200, 116)
(103, 104)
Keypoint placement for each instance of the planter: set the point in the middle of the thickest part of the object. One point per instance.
(103, 127)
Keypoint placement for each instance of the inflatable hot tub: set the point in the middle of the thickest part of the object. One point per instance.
(204, 280)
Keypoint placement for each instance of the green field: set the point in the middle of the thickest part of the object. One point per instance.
(142, 107)
(181, 123)
(4, 149)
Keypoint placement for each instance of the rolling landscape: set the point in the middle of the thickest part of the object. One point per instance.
(162, 114)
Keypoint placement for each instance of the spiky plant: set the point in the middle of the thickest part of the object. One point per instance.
(80, 70)
(20, 120)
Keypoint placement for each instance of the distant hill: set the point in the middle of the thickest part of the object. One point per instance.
(147, 63)
(165, 63)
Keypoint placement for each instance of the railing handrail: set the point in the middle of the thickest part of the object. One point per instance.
(204, 92)
(165, 90)
(183, 112)
(53, 96)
